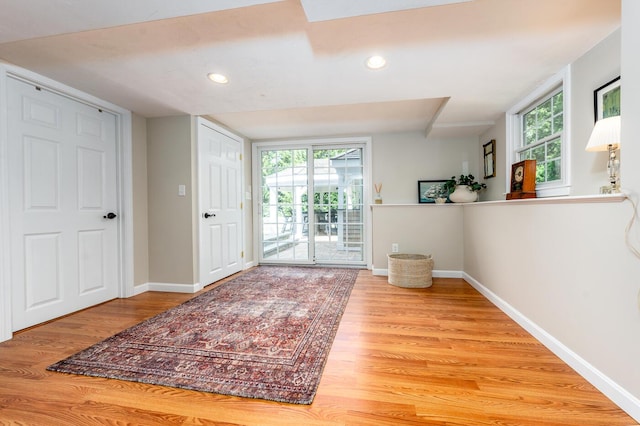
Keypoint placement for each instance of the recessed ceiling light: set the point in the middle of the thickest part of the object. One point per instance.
(217, 78)
(376, 62)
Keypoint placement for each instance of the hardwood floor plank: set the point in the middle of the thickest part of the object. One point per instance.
(438, 356)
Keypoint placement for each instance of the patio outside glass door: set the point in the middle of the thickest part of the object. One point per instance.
(338, 206)
(326, 227)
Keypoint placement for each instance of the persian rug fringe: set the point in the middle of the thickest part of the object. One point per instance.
(265, 334)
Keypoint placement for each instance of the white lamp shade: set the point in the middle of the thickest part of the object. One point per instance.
(606, 132)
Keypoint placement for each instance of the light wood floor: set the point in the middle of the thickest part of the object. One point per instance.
(437, 356)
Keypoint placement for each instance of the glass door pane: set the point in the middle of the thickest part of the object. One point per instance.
(338, 207)
(284, 226)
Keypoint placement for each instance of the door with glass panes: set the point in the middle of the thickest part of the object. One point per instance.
(311, 205)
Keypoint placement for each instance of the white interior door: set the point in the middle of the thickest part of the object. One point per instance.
(62, 180)
(220, 187)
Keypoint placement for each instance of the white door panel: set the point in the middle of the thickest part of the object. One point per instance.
(42, 284)
(220, 165)
(62, 180)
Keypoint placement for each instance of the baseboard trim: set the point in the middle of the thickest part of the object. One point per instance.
(619, 395)
(140, 288)
(170, 287)
(436, 273)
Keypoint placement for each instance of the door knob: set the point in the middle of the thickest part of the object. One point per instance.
(208, 215)
(110, 215)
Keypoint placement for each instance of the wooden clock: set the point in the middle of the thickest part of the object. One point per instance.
(523, 180)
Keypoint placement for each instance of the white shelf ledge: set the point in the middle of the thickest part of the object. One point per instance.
(578, 199)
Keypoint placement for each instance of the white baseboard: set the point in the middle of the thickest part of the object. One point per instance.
(383, 272)
(168, 287)
(619, 395)
(435, 273)
(140, 288)
(249, 265)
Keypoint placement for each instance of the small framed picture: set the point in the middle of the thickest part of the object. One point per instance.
(433, 191)
(606, 100)
(489, 150)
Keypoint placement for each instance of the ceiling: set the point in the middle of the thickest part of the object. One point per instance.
(296, 68)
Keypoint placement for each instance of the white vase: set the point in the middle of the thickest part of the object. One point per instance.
(463, 194)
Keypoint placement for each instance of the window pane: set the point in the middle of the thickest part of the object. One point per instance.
(538, 153)
(553, 170)
(540, 176)
(558, 103)
(558, 124)
(530, 128)
(554, 149)
(544, 119)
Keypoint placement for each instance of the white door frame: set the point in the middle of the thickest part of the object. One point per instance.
(124, 183)
(200, 121)
(367, 193)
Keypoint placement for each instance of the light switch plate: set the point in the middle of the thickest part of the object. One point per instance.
(182, 190)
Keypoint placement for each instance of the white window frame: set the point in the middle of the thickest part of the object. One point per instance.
(514, 133)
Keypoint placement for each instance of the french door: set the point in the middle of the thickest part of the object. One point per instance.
(311, 204)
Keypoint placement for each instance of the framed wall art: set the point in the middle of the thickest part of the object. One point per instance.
(432, 191)
(606, 100)
(489, 151)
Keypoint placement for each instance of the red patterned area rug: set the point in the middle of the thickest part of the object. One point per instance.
(265, 334)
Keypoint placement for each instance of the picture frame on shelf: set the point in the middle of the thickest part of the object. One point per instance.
(489, 154)
(606, 100)
(429, 191)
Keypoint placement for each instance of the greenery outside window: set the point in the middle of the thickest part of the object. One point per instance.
(541, 138)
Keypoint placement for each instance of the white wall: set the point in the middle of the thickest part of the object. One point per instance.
(419, 229)
(564, 268)
(248, 207)
(400, 160)
(597, 67)
(140, 210)
(630, 151)
(171, 218)
(495, 185)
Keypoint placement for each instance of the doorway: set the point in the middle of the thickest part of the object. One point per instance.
(311, 204)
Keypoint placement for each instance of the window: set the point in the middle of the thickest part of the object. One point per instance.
(538, 129)
(541, 137)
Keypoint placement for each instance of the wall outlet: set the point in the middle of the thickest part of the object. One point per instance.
(394, 248)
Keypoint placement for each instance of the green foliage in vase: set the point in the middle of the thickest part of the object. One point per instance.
(468, 180)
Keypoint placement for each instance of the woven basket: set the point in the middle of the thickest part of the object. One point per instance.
(410, 270)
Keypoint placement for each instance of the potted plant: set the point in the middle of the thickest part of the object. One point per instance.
(464, 189)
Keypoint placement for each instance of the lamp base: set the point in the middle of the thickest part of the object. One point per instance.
(610, 189)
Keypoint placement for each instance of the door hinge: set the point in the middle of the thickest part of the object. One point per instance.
(242, 254)
(240, 157)
(241, 205)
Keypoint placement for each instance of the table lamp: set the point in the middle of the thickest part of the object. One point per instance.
(606, 137)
